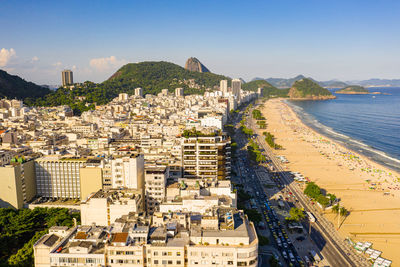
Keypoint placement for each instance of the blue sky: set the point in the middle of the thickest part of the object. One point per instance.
(322, 39)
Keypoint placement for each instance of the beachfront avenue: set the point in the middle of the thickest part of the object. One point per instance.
(323, 234)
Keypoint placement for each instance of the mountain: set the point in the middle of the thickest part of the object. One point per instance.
(306, 89)
(268, 89)
(154, 76)
(151, 76)
(377, 82)
(193, 64)
(284, 83)
(353, 90)
(12, 86)
(333, 84)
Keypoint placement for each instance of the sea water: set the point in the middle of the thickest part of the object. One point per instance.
(367, 124)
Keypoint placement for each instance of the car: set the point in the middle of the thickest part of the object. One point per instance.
(307, 260)
(285, 245)
(284, 254)
(291, 257)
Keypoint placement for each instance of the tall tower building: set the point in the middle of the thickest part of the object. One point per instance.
(236, 87)
(206, 157)
(139, 92)
(223, 86)
(178, 92)
(67, 77)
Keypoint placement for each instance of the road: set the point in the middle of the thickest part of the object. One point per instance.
(323, 233)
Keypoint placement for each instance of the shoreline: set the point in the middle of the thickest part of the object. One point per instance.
(375, 156)
(343, 172)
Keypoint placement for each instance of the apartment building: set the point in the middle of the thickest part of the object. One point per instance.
(17, 183)
(128, 172)
(105, 206)
(155, 178)
(220, 237)
(206, 157)
(59, 177)
(179, 92)
(139, 92)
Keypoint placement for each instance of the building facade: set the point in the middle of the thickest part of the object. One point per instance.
(58, 177)
(155, 182)
(17, 183)
(206, 157)
(67, 77)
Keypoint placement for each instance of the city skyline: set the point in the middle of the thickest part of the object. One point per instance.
(317, 39)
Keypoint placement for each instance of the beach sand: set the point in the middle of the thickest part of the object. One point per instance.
(356, 180)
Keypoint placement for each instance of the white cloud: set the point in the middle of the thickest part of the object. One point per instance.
(6, 55)
(106, 63)
(34, 59)
(57, 64)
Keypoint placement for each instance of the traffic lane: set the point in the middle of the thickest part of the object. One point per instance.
(319, 239)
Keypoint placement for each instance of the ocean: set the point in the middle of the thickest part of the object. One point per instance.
(366, 124)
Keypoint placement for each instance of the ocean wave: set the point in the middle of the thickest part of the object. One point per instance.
(349, 142)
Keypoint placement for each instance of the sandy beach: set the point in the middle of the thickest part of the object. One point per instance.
(368, 190)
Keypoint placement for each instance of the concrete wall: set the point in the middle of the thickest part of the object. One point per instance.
(91, 180)
(10, 184)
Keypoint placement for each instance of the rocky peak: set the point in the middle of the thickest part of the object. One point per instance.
(193, 64)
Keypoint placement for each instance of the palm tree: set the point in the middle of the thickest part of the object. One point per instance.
(343, 212)
(335, 209)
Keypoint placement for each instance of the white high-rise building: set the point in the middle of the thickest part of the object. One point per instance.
(139, 92)
(128, 172)
(236, 87)
(123, 97)
(155, 183)
(178, 92)
(223, 86)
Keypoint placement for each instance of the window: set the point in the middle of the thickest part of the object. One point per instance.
(178, 262)
(155, 262)
(178, 253)
(164, 262)
(242, 263)
(170, 262)
(169, 253)
(155, 253)
(230, 262)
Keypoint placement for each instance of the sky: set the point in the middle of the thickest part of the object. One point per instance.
(322, 39)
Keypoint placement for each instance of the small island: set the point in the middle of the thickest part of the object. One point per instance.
(307, 89)
(353, 90)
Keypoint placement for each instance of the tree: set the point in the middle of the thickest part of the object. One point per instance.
(335, 209)
(332, 198)
(323, 200)
(20, 229)
(296, 215)
(343, 212)
(312, 190)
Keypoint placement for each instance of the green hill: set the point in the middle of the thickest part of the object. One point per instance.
(353, 89)
(151, 76)
(268, 89)
(154, 76)
(12, 86)
(308, 89)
